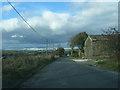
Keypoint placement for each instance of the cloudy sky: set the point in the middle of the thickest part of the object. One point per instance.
(57, 21)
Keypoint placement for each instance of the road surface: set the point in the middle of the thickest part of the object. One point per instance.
(64, 73)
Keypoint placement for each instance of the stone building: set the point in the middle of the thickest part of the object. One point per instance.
(96, 47)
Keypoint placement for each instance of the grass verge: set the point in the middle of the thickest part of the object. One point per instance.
(74, 57)
(16, 69)
(109, 64)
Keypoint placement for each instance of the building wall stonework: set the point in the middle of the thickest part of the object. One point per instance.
(95, 48)
(88, 51)
(99, 49)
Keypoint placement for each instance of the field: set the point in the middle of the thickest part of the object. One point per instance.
(17, 66)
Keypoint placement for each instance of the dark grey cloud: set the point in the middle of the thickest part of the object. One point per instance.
(59, 27)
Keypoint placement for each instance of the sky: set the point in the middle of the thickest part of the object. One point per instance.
(56, 21)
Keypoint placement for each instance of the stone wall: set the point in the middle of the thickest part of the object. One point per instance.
(88, 51)
(100, 49)
(95, 49)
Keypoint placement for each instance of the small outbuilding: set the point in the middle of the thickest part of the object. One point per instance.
(96, 47)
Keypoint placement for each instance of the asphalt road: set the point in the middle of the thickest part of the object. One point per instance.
(64, 73)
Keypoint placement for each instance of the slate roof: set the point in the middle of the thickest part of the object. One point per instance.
(99, 37)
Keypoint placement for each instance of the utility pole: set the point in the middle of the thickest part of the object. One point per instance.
(46, 46)
(53, 47)
(59, 45)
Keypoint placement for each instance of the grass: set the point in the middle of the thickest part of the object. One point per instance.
(109, 64)
(16, 69)
(74, 57)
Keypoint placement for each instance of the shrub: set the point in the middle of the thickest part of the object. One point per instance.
(60, 52)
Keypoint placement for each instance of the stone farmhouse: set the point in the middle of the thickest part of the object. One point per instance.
(96, 47)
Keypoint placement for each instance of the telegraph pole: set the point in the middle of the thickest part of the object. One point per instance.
(53, 47)
(59, 45)
(46, 46)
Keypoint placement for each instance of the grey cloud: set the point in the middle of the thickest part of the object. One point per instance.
(59, 27)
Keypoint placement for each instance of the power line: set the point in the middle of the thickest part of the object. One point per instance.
(22, 17)
(29, 25)
(46, 39)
